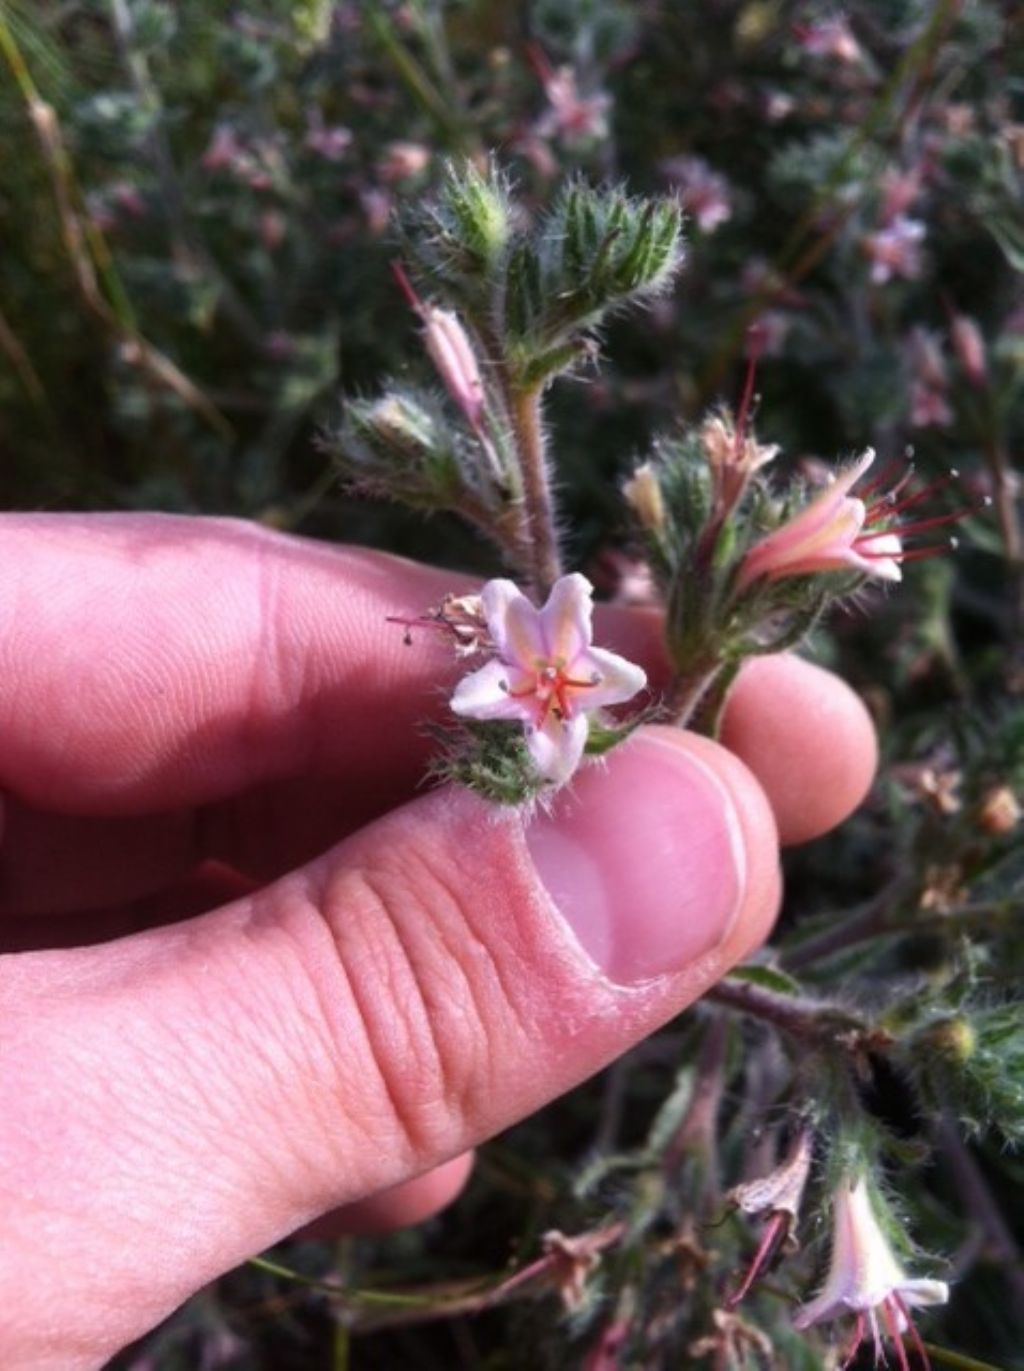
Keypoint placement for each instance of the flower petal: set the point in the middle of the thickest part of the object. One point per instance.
(820, 1310)
(922, 1292)
(513, 623)
(485, 694)
(879, 556)
(830, 522)
(557, 746)
(566, 618)
(617, 678)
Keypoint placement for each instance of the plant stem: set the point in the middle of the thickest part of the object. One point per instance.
(810, 1021)
(1005, 488)
(689, 691)
(980, 1205)
(845, 932)
(698, 1131)
(545, 562)
(958, 1360)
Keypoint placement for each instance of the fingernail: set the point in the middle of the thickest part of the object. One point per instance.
(644, 858)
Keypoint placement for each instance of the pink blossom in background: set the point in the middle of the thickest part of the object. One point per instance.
(895, 250)
(702, 192)
(331, 142)
(571, 116)
(829, 38)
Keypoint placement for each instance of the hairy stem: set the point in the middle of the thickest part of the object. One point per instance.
(1005, 489)
(688, 692)
(545, 561)
(981, 1205)
(814, 1022)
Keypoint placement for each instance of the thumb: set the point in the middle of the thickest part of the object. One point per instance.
(179, 1100)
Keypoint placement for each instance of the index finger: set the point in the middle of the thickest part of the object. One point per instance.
(149, 661)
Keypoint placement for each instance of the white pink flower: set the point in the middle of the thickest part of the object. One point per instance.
(864, 1278)
(833, 533)
(830, 38)
(701, 191)
(545, 672)
(895, 250)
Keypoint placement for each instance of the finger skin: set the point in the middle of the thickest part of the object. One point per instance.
(206, 1089)
(401, 1206)
(808, 739)
(151, 662)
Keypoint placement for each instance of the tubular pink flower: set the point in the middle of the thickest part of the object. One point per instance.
(829, 535)
(865, 1277)
(546, 674)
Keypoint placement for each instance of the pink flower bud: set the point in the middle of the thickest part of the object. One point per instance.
(969, 346)
(452, 354)
(403, 160)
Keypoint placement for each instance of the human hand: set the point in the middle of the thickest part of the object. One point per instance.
(193, 714)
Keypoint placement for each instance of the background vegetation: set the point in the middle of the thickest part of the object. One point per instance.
(197, 209)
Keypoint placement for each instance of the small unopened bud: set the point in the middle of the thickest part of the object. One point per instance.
(969, 346)
(781, 1191)
(643, 494)
(403, 160)
(952, 1039)
(718, 441)
(396, 421)
(999, 811)
(452, 354)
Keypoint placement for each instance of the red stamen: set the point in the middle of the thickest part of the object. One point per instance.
(538, 60)
(915, 554)
(918, 525)
(773, 1232)
(892, 1323)
(406, 287)
(887, 508)
(557, 698)
(887, 473)
(858, 1338)
(756, 337)
(915, 1336)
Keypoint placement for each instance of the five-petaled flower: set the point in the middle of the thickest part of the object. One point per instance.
(865, 1277)
(546, 674)
(835, 532)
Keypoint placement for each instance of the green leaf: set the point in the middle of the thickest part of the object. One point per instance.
(768, 978)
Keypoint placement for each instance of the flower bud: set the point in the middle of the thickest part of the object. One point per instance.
(969, 346)
(397, 422)
(643, 494)
(954, 1040)
(403, 160)
(999, 811)
(452, 354)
